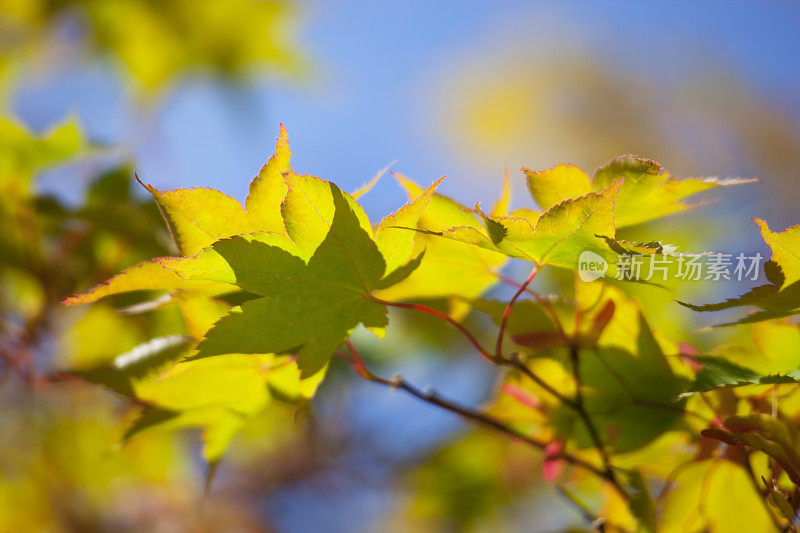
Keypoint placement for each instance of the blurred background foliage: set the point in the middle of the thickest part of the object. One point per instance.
(190, 93)
(153, 43)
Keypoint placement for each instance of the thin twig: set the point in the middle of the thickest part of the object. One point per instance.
(541, 300)
(481, 350)
(498, 350)
(580, 409)
(468, 413)
(512, 361)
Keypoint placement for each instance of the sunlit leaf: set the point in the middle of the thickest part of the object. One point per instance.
(648, 192)
(559, 236)
(310, 307)
(553, 186)
(449, 269)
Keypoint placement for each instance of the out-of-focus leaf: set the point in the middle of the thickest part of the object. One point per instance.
(136, 364)
(172, 39)
(98, 334)
(779, 501)
(218, 424)
(24, 153)
(630, 389)
(703, 496)
(774, 437)
(641, 504)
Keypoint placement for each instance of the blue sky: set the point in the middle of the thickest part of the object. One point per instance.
(374, 65)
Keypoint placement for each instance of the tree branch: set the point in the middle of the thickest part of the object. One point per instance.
(479, 417)
(580, 409)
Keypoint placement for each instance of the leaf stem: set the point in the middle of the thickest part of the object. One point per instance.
(481, 350)
(541, 300)
(512, 361)
(498, 350)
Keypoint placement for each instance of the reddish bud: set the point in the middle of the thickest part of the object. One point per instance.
(553, 466)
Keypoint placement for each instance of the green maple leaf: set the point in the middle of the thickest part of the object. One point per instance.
(551, 187)
(557, 237)
(209, 394)
(302, 226)
(300, 253)
(647, 192)
(781, 296)
(215, 394)
(199, 217)
(393, 239)
(310, 307)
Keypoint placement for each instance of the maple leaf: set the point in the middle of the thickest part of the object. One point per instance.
(199, 217)
(556, 237)
(307, 306)
(781, 297)
(394, 241)
(300, 253)
(450, 269)
(293, 222)
(217, 395)
(647, 192)
(209, 394)
(550, 187)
